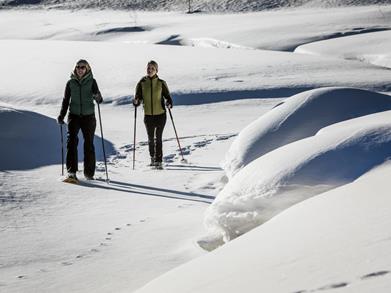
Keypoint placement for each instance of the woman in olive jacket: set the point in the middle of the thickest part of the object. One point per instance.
(80, 92)
(154, 94)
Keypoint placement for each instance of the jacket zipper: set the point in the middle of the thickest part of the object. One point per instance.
(151, 97)
(81, 107)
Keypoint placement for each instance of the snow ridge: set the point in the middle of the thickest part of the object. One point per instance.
(179, 5)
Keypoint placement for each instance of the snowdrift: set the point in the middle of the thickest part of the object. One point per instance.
(336, 240)
(298, 117)
(373, 48)
(30, 140)
(336, 155)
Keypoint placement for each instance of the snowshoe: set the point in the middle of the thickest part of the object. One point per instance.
(71, 178)
(159, 166)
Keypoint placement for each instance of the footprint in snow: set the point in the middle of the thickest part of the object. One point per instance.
(117, 229)
(334, 286)
(67, 263)
(375, 274)
(21, 277)
(94, 250)
(225, 137)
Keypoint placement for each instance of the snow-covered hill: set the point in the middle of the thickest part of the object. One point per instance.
(338, 241)
(118, 236)
(298, 117)
(336, 155)
(33, 140)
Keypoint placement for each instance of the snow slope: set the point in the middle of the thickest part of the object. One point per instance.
(298, 117)
(338, 241)
(33, 140)
(99, 237)
(372, 48)
(336, 155)
(195, 5)
(273, 30)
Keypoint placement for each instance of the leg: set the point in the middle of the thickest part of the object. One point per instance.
(72, 142)
(160, 123)
(88, 127)
(149, 125)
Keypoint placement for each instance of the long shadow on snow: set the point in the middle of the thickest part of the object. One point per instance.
(192, 168)
(31, 140)
(198, 98)
(132, 188)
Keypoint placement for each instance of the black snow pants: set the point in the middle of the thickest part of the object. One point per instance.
(155, 126)
(87, 124)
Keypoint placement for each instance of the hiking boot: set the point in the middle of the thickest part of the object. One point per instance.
(89, 177)
(159, 165)
(72, 176)
(152, 163)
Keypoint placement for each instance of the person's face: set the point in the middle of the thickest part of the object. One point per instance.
(151, 70)
(81, 69)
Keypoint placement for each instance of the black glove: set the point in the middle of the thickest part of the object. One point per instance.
(98, 98)
(169, 104)
(60, 119)
(136, 102)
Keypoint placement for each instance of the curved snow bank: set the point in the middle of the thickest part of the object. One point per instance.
(373, 48)
(298, 117)
(338, 239)
(336, 155)
(31, 140)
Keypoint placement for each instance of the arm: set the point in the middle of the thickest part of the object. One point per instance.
(138, 97)
(96, 92)
(65, 104)
(166, 94)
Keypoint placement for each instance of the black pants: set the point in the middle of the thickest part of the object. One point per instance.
(155, 126)
(87, 124)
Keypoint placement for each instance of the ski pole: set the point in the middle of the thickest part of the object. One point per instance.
(62, 151)
(177, 139)
(103, 145)
(134, 136)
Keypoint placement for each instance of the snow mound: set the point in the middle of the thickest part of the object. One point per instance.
(336, 155)
(30, 140)
(339, 239)
(298, 117)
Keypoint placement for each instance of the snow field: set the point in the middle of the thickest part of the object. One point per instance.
(117, 237)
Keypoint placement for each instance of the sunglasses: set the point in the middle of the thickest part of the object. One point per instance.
(81, 67)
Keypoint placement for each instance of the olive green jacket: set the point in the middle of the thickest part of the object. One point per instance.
(152, 92)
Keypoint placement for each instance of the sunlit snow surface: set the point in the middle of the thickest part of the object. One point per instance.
(226, 73)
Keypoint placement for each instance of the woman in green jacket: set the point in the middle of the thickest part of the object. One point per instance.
(154, 94)
(80, 92)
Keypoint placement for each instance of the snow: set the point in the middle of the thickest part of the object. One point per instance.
(336, 155)
(225, 72)
(290, 121)
(371, 48)
(336, 240)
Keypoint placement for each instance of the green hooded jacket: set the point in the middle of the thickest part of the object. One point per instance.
(79, 95)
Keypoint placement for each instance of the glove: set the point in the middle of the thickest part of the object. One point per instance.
(60, 119)
(136, 102)
(169, 104)
(98, 98)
